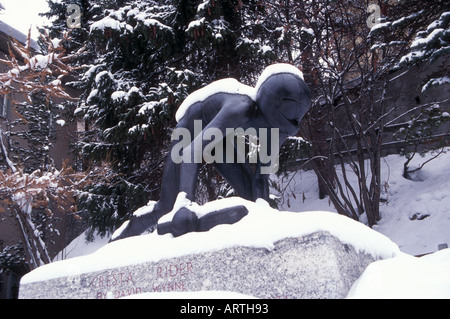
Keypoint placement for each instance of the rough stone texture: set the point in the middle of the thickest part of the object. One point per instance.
(313, 266)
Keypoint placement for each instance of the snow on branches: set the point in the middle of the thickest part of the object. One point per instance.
(30, 72)
(25, 196)
(34, 198)
(430, 43)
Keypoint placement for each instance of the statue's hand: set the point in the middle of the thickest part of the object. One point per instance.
(136, 226)
(185, 220)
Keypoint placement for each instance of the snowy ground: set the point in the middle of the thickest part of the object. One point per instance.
(416, 217)
(428, 199)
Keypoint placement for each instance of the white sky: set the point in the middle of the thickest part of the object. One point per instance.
(21, 14)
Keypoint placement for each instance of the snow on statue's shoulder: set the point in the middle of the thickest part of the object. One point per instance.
(228, 85)
(233, 86)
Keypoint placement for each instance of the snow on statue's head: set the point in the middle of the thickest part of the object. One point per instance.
(283, 97)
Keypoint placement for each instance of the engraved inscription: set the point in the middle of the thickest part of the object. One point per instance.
(114, 285)
(172, 277)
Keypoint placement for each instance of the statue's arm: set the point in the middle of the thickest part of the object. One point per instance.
(235, 112)
(260, 181)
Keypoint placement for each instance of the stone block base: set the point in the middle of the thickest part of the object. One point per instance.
(317, 265)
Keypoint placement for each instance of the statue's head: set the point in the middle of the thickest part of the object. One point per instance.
(283, 97)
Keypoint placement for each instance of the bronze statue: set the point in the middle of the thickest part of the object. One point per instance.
(272, 111)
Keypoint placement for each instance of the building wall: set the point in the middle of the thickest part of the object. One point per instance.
(403, 94)
(59, 153)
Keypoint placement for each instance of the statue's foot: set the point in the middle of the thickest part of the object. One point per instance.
(135, 226)
(186, 221)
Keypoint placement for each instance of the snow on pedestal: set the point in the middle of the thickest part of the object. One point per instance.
(268, 254)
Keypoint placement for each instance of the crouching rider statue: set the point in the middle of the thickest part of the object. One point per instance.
(211, 123)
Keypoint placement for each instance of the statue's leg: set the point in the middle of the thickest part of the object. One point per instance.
(135, 226)
(185, 174)
(247, 185)
(239, 176)
(177, 177)
(260, 185)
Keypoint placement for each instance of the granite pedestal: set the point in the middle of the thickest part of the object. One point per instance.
(316, 265)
